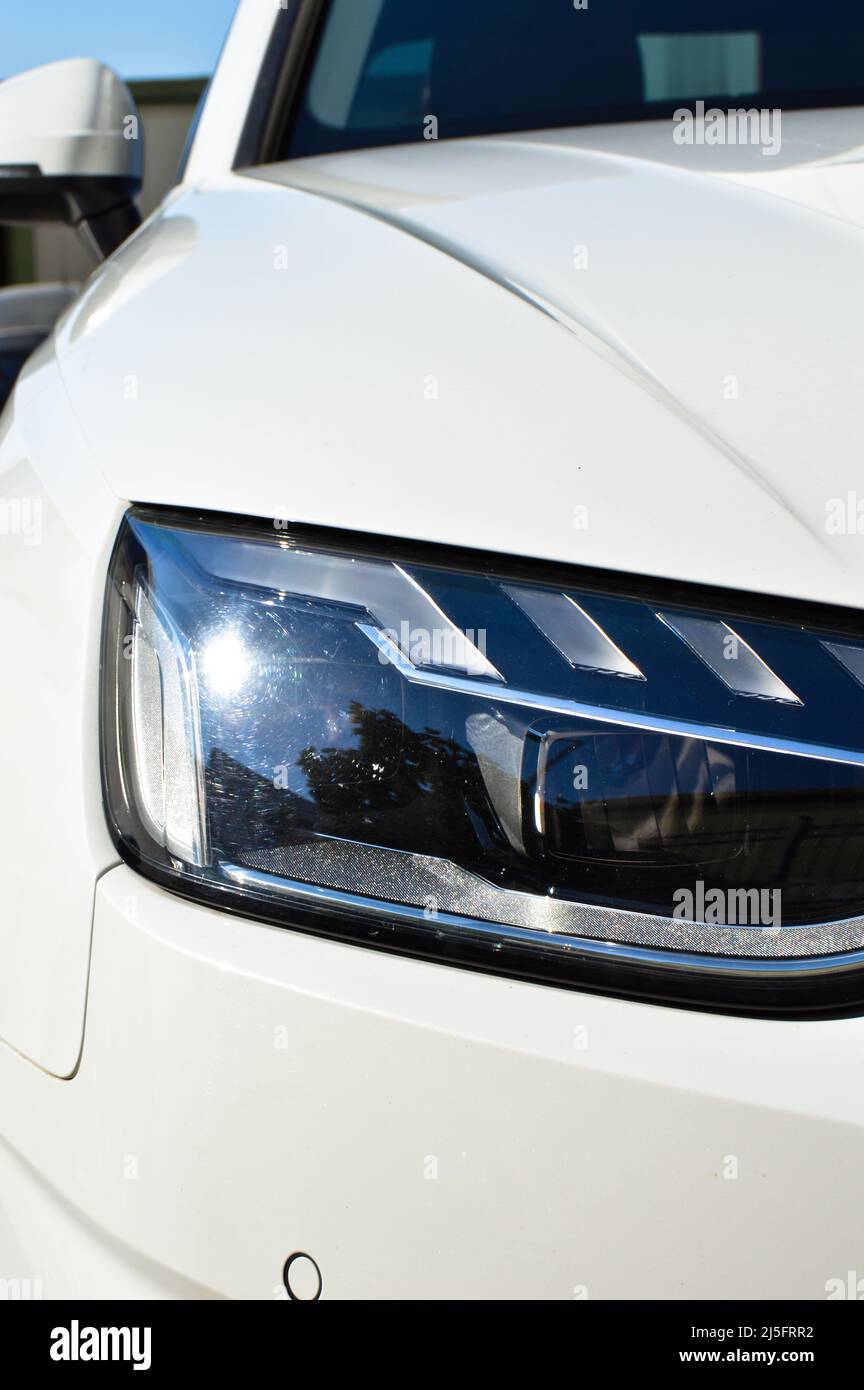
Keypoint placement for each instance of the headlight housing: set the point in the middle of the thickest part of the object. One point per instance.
(626, 786)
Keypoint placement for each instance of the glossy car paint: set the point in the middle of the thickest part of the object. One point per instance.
(188, 1097)
(503, 436)
(420, 1131)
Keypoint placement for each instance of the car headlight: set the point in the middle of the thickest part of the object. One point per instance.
(627, 786)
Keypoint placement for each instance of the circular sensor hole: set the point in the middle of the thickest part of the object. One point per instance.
(302, 1278)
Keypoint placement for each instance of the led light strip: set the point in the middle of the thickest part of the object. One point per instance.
(628, 719)
(850, 658)
(387, 592)
(572, 631)
(729, 657)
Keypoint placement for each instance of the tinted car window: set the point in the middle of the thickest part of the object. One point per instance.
(383, 68)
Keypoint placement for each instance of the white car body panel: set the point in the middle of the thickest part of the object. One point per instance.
(224, 113)
(569, 399)
(672, 309)
(52, 583)
(424, 1132)
(236, 1092)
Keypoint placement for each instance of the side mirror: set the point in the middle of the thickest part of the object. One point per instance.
(71, 151)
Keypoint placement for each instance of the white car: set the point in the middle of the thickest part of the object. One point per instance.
(431, 739)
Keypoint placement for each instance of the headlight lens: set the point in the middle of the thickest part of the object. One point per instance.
(490, 764)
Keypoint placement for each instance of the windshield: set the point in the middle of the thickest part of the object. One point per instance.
(395, 71)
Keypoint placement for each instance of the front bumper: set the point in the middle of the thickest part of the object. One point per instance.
(246, 1092)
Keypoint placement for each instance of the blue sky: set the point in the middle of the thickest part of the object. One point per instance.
(139, 38)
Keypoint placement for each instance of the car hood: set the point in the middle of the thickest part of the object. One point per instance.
(593, 347)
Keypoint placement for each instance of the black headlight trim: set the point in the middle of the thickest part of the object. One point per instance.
(820, 985)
